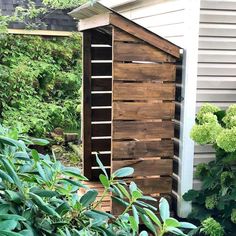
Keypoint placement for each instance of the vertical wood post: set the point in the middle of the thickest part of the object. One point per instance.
(86, 116)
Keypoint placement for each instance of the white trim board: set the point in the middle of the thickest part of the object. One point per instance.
(190, 62)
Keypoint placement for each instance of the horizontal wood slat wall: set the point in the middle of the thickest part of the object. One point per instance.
(143, 107)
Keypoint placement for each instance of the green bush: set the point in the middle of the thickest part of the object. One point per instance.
(40, 83)
(39, 197)
(217, 197)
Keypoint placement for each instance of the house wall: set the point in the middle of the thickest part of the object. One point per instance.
(216, 81)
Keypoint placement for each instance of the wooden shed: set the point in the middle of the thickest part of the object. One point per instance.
(128, 98)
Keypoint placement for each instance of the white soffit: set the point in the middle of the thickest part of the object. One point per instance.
(115, 3)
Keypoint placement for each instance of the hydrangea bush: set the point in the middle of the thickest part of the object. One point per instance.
(215, 204)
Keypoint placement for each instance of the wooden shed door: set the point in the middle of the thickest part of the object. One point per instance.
(143, 109)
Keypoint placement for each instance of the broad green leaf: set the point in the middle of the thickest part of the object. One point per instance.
(22, 156)
(187, 225)
(10, 142)
(43, 206)
(10, 170)
(135, 214)
(104, 180)
(133, 187)
(11, 217)
(6, 177)
(14, 196)
(44, 193)
(144, 204)
(164, 209)
(124, 191)
(116, 191)
(63, 209)
(103, 213)
(153, 217)
(8, 225)
(133, 223)
(73, 182)
(101, 165)
(74, 172)
(120, 201)
(123, 172)
(136, 195)
(41, 172)
(89, 197)
(4, 208)
(35, 155)
(148, 198)
(40, 142)
(148, 223)
(172, 222)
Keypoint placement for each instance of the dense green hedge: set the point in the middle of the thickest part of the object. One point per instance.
(40, 83)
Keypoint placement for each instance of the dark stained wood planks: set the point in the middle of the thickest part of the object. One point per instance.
(86, 114)
(99, 145)
(139, 52)
(143, 91)
(101, 99)
(122, 36)
(137, 149)
(101, 53)
(143, 72)
(144, 167)
(101, 114)
(144, 34)
(153, 186)
(99, 130)
(143, 110)
(143, 130)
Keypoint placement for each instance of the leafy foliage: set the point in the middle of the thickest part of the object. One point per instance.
(39, 197)
(217, 198)
(40, 83)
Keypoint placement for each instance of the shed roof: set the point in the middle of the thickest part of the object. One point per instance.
(97, 15)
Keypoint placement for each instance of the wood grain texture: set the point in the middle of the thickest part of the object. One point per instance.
(153, 185)
(144, 72)
(144, 34)
(139, 52)
(144, 167)
(142, 110)
(143, 91)
(86, 114)
(142, 129)
(122, 36)
(136, 149)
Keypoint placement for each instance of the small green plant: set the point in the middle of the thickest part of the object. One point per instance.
(216, 199)
(39, 197)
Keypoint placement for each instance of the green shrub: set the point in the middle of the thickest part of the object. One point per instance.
(40, 83)
(39, 197)
(217, 197)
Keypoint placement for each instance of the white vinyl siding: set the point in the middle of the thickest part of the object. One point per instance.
(165, 18)
(216, 62)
